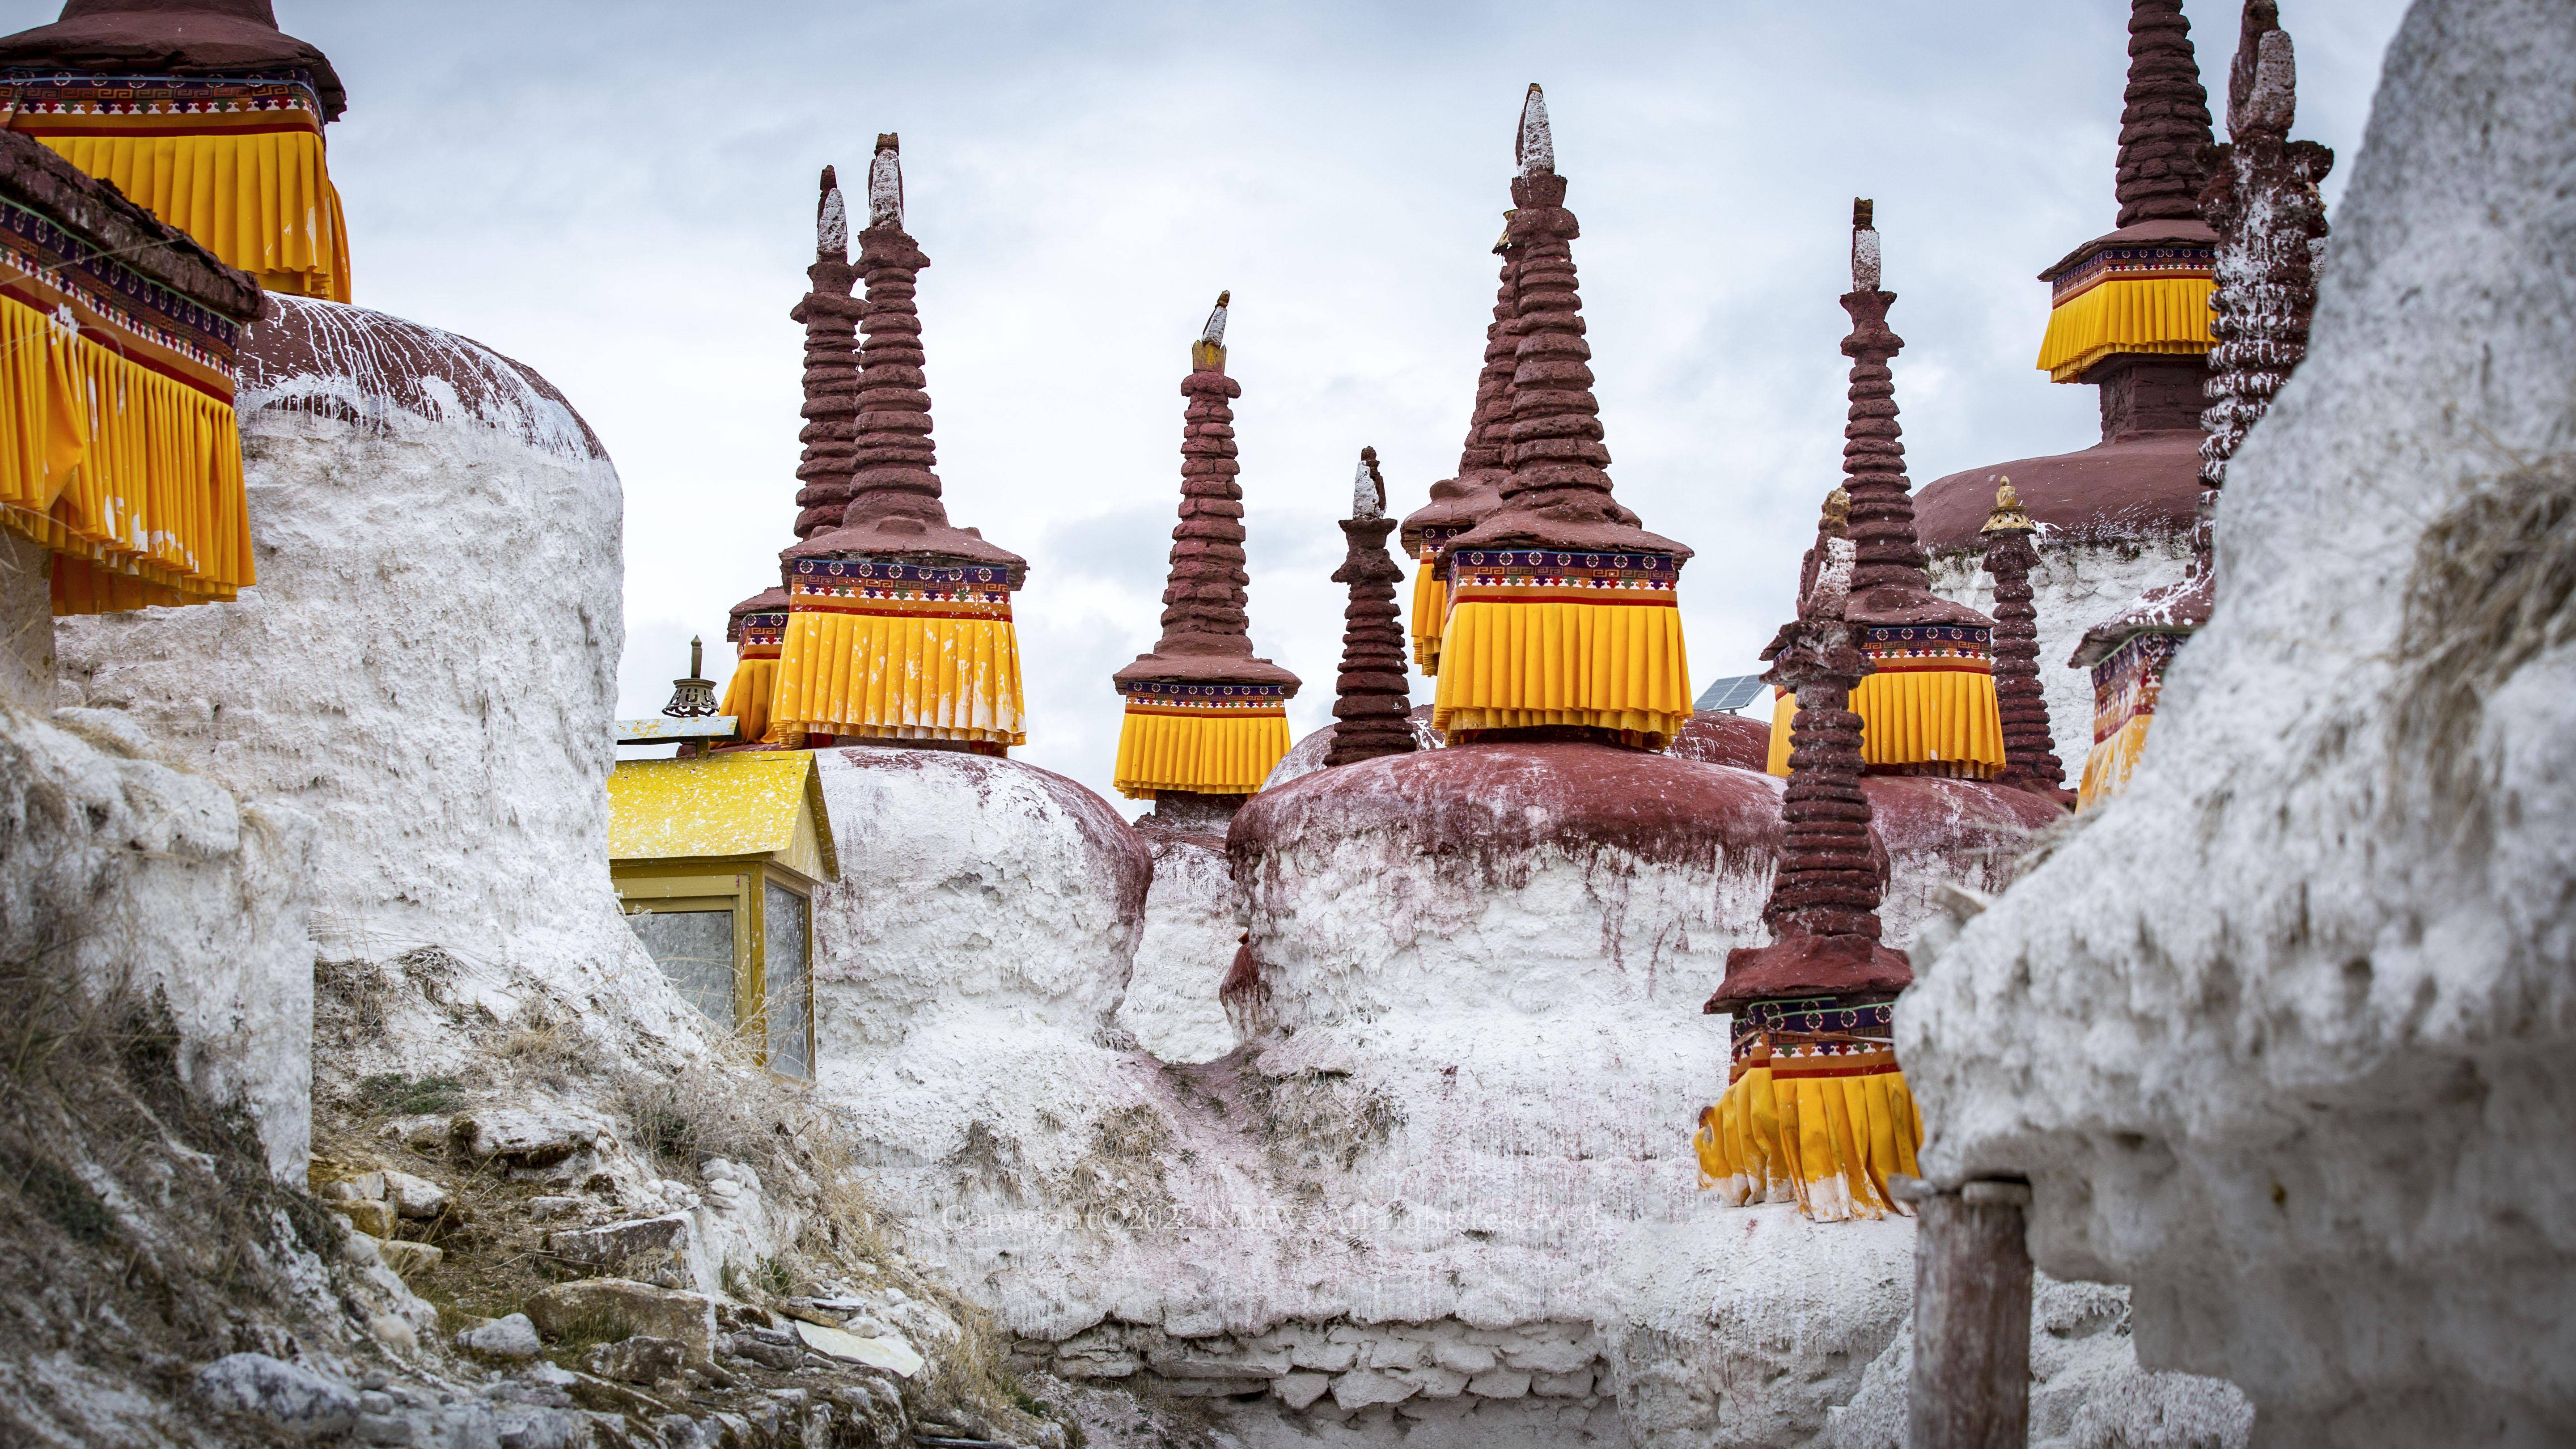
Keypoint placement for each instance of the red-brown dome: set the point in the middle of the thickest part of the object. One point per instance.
(2143, 485)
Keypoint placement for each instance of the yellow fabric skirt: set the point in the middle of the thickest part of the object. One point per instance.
(2146, 314)
(2108, 766)
(1601, 666)
(913, 677)
(261, 202)
(1784, 714)
(1826, 1143)
(1229, 754)
(747, 698)
(1943, 722)
(1430, 613)
(131, 477)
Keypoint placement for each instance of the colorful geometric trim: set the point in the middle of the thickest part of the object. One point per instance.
(1811, 1017)
(885, 587)
(2122, 264)
(1204, 701)
(1435, 539)
(2127, 684)
(1818, 1037)
(77, 103)
(1953, 648)
(757, 636)
(158, 329)
(1536, 576)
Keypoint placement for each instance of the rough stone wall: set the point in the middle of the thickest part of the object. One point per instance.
(2076, 586)
(27, 618)
(120, 875)
(2281, 1038)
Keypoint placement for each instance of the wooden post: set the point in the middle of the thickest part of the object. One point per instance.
(1971, 1384)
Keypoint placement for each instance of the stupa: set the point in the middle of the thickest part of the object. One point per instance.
(2129, 316)
(1205, 719)
(757, 626)
(1927, 706)
(1372, 710)
(1562, 613)
(898, 623)
(203, 112)
(2030, 756)
(2262, 198)
(1815, 1110)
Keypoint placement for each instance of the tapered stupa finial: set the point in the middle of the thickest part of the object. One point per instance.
(831, 219)
(1207, 354)
(1536, 148)
(885, 183)
(1864, 248)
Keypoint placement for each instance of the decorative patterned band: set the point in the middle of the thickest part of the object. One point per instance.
(757, 629)
(2120, 264)
(1435, 539)
(1537, 576)
(2128, 682)
(869, 586)
(1164, 696)
(886, 571)
(1954, 648)
(57, 273)
(80, 103)
(1818, 1017)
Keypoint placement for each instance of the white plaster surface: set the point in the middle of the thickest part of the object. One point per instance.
(1192, 926)
(2282, 1037)
(2077, 585)
(122, 875)
(426, 667)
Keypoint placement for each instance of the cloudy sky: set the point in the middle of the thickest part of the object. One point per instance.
(620, 194)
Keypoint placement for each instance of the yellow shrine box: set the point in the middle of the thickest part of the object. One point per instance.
(716, 860)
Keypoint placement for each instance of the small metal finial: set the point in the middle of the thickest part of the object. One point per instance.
(2008, 515)
(1837, 516)
(693, 697)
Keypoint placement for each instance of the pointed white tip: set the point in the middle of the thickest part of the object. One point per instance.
(1365, 502)
(885, 188)
(1536, 150)
(832, 225)
(1213, 334)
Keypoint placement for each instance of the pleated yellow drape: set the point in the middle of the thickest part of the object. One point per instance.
(1602, 666)
(1944, 720)
(131, 477)
(1219, 754)
(2107, 767)
(2143, 314)
(1784, 714)
(1430, 615)
(917, 677)
(747, 696)
(262, 202)
(1826, 1143)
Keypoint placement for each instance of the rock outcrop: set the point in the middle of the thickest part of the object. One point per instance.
(2281, 1038)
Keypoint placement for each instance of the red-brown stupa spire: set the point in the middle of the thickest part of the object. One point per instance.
(831, 318)
(1207, 635)
(2164, 122)
(1823, 911)
(893, 508)
(2030, 752)
(1205, 720)
(1557, 494)
(1889, 583)
(1372, 709)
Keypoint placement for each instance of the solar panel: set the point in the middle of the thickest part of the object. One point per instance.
(1731, 693)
